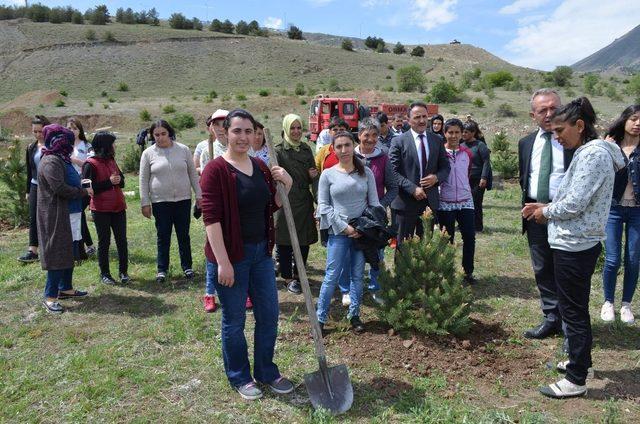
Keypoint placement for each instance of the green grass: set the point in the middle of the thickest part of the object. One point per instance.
(148, 353)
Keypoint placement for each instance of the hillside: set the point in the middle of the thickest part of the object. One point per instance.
(623, 54)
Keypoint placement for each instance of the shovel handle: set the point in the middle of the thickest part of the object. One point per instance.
(297, 254)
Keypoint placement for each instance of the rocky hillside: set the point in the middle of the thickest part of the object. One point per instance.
(621, 55)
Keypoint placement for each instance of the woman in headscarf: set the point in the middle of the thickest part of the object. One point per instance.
(297, 159)
(59, 202)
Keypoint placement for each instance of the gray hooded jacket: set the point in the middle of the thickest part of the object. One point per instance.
(579, 211)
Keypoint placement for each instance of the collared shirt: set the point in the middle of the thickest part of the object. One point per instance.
(416, 139)
(557, 171)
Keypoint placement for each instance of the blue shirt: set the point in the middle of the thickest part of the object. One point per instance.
(73, 179)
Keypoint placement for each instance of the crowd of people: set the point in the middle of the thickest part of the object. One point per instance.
(577, 191)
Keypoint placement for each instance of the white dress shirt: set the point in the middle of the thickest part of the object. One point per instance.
(557, 171)
(418, 142)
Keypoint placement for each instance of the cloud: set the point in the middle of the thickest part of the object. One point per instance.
(319, 3)
(573, 31)
(12, 2)
(429, 14)
(273, 23)
(375, 3)
(520, 6)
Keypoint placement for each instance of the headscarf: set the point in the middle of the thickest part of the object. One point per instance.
(286, 129)
(58, 141)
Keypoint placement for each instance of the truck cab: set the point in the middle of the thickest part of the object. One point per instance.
(322, 109)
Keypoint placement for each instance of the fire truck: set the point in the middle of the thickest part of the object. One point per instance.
(323, 108)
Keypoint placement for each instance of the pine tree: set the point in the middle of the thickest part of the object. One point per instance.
(425, 291)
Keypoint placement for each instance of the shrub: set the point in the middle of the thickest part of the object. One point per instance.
(208, 99)
(213, 94)
(295, 33)
(169, 109)
(90, 34)
(264, 92)
(424, 292)
(410, 78)
(123, 86)
(399, 48)
(183, 121)
(333, 85)
(63, 93)
(59, 103)
(490, 93)
(109, 37)
(347, 44)
(111, 99)
(612, 93)
(103, 94)
(562, 75)
(131, 159)
(388, 88)
(241, 97)
(478, 102)
(284, 92)
(589, 83)
(374, 42)
(418, 51)
(498, 79)
(503, 160)
(514, 85)
(391, 67)
(633, 87)
(303, 102)
(105, 105)
(505, 111)
(145, 115)
(312, 91)
(90, 103)
(299, 90)
(444, 92)
(13, 173)
(381, 48)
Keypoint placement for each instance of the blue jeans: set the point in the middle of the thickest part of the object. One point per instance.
(339, 248)
(168, 215)
(373, 274)
(618, 216)
(344, 282)
(255, 276)
(210, 279)
(58, 280)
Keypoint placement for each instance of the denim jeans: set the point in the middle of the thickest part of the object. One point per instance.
(168, 215)
(339, 248)
(58, 280)
(344, 281)
(618, 217)
(255, 276)
(210, 279)
(373, 274)
(466, 223)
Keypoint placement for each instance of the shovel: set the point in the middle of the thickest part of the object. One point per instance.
(330, 387)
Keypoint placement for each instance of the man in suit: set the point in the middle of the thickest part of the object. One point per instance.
(419, 159)
(542, 163)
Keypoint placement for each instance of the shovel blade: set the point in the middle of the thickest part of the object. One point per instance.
(331, 389)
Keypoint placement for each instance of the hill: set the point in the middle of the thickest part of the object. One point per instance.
(623, 55)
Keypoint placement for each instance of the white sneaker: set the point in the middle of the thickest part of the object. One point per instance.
(607, 313)
(346, 299)
(563, 389)
(626, 315)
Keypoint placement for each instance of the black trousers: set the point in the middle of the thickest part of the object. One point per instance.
(284, 255)
(409, 224)
(169, 215)
(573, 271)
(33, 215)
(464, 218)
(478, 197)
(84, 228)
(107, 222)
(543, 268)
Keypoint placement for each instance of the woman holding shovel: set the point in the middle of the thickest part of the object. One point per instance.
(237, 209)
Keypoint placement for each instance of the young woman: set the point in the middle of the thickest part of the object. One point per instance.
(82, 150)
(167, 176)
(345, 190)
(59, 196)
(34, 154)
(623, 215)
(107, 205)
(297, 159)
(480, 172)
(238, 202)
(259, 145)
(577, 219)
(456, 202)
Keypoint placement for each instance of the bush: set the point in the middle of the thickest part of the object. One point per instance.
(145, 115)
(505, 111)
(213, 94)
(418, 51)
(503, 160)
(59, 103)
(374, 42)
(612, 93)
(183, 121)
(399, 48)
(498, 79)
(478, 102)
(388, 88)
(514, 85)
(410, 78)
(264, 92)
(333, 85)
(561, 76)
(241, 97)
(90, 34)
(633, 87)
(123, 86)
(99, 15)
(63, 93)
(90, 103)
(424, 292)
(169, 109)
(347, 44)
(13, 173)
(103, 94)
(295, 33)
(589, 83)
(444, 92)
(391, 67)
(299, 90)
(303, 102)
(131, 159)
(111, 99)
(109, 37)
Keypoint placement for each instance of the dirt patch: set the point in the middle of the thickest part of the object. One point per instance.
(17, 120)
(33, 99)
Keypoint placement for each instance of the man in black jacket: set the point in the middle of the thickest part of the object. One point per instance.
(542, 163)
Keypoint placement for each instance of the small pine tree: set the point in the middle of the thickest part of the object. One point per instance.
(425, 292)
(399, 48)
(503, 160)
(418, 51)
(347, 44)
(13, 173)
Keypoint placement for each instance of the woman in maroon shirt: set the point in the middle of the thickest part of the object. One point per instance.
(238, 201)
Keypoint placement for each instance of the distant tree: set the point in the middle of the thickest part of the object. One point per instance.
(141, 17)
(381, 47)
(590, 81)
(295, 33)
(444, 92)
(227, 27)
(119, 15)
(152, 17)
(633, 88)
(254, 29)
(498, 79)
(562, 75)
(56, 15)
(98, 15)
(347, 44)
(77, 18)
(216, 25)
(410, 78)
(418, 51)
(242, 28)
(196, 24)
(128, 17)
(399, 48)
(38, 13)
(178, 21)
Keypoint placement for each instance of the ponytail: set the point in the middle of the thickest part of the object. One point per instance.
(579, 108)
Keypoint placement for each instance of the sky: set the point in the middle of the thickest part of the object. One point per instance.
(540, 34)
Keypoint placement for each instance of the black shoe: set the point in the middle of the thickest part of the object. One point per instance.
(294, 287)
(161, 277)
(28, 257)
(543, 330)
(356, 324)
(124, 278)
(189, 274)
(107, 279)
(73, 294)
(470, 279)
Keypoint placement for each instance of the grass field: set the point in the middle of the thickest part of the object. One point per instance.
(148, 353)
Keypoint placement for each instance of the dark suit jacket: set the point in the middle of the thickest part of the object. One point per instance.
(525, 148)
(404, 160)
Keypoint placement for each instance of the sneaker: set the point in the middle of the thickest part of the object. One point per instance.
(28, 257)
(189, 274)
(209, 303)
(161, 277)
(346, 299)
(470, 279)
(607, 314)
(281, 386)
(53, 307)
(124, 278)
(562, 366)
(107, 279)
(249, 391)
(249, 304)
(356, 324)
(563, 389)
(377, 298)
(626, 315)
(294, 287)
(90, 251)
